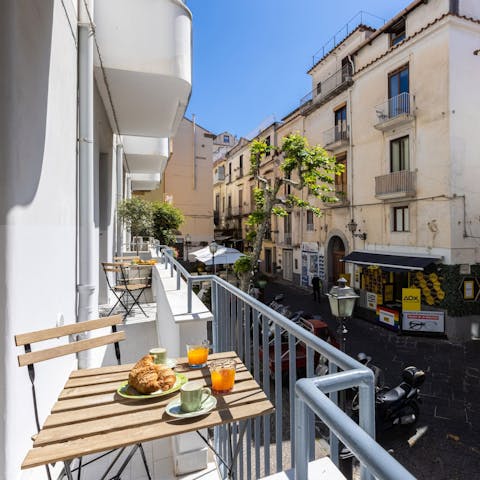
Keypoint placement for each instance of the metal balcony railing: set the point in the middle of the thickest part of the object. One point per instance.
(218, 177)
(330, 86)
(399, 106)
(396, 183)
(244, 324)
(336, 134)
(287, 238)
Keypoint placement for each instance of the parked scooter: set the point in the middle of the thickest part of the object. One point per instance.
(398, 405)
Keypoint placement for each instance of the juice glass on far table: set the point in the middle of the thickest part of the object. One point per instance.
(197, 354)
(222, 374)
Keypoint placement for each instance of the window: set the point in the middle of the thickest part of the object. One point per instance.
(252, 198)
(267, 141)
(399, 154)
(341, 124)
(309, 221)
(226, 139)
(398, 89)
(341, 180)
(229, 205)
(240, 201)
(400, 219)
(217, 202)
(230, 172)
(397, 32)
(223, 203)
(319, 88)
(240, 165)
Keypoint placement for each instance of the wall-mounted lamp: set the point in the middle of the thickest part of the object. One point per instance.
(352, 227)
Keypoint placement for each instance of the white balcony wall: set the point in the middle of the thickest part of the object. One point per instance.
(145, 47)
(146, 154)
(37, 208)
(145, 181)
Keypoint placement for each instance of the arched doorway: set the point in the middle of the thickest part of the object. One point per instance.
(336, 251)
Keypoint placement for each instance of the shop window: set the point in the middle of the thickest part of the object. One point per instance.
(397, 32)
(399, 154)
(309, 221)
(401, 221)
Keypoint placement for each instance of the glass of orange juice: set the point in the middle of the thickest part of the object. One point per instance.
(197, 354)
(222, 373)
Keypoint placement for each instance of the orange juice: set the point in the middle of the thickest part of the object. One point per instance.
(223, 376)
(197, 355)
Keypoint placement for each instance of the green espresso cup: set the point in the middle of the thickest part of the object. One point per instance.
(193, 395)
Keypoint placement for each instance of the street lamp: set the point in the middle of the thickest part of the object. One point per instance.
(342, 300)
(213, 247)
(352, 226)
(188, 238)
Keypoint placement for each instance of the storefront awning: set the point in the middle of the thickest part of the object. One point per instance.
(390, 262)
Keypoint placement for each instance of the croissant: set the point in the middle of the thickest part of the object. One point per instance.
(147, 377)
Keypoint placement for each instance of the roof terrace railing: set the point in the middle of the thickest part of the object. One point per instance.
(264, 340)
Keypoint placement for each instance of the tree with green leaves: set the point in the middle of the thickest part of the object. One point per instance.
(300, 166)
(136, 213)
(166, 221)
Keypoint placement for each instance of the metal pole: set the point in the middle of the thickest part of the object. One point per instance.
(119, 155)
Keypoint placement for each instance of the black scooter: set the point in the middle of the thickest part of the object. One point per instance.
(399, 405)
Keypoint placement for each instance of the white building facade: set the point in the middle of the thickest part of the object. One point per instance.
(83, 115)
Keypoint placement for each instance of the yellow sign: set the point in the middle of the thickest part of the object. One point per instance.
(347, 277)
(411, 299)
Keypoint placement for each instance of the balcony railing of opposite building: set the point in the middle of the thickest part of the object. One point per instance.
(287, 238)
(219, 177)
(336, 135)
(400, 106)
(330, 86)
(402, 183)
(251, 329)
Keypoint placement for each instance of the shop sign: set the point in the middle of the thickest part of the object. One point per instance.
(429, 322)
(371, 300)
(310, 247)
(411, 299)
(388, 317)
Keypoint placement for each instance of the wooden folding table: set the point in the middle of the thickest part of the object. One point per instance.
(90, 416)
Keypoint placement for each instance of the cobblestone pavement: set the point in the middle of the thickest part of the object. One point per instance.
(450, 448)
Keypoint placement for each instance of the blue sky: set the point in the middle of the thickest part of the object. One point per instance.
(250, 57)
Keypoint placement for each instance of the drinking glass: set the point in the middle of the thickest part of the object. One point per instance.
(197, 354)
(222, 374)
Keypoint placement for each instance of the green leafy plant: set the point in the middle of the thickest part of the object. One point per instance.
(301, 167)
(166, 219)
(136, 213)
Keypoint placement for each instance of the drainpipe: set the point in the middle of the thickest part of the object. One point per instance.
(119, 158)
(87, 265)
(350, 149)
(194, 153)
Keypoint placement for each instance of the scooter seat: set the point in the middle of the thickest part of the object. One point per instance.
(392, 396)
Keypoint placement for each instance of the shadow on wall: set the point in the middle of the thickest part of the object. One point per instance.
(25, 45)
(26, 34)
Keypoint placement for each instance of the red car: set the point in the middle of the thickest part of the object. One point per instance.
(318, 328)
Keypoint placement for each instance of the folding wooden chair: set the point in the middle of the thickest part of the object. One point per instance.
(123, 289)
(76, 344)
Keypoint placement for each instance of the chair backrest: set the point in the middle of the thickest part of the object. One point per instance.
(29, 358)
(78, 345)
(118, 268)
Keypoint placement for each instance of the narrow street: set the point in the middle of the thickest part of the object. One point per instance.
(450, 448)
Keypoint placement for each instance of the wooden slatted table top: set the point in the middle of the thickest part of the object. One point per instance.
(90, 417)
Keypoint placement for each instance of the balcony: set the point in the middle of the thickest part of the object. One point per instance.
(219, 177)
(287, 238)
(146, 154)
(396, 111)
(327, 89)
(336, 137)
(145, 64)
(145, 181)
(396, 185)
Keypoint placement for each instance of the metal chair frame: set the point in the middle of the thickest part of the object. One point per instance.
(77, 345)
(124, 287)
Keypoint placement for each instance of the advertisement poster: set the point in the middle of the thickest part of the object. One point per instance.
(388, 317)
(429, 322)
(372, 301)
(411, 299)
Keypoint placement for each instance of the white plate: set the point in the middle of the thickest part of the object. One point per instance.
(171, 363)
(174, 410)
